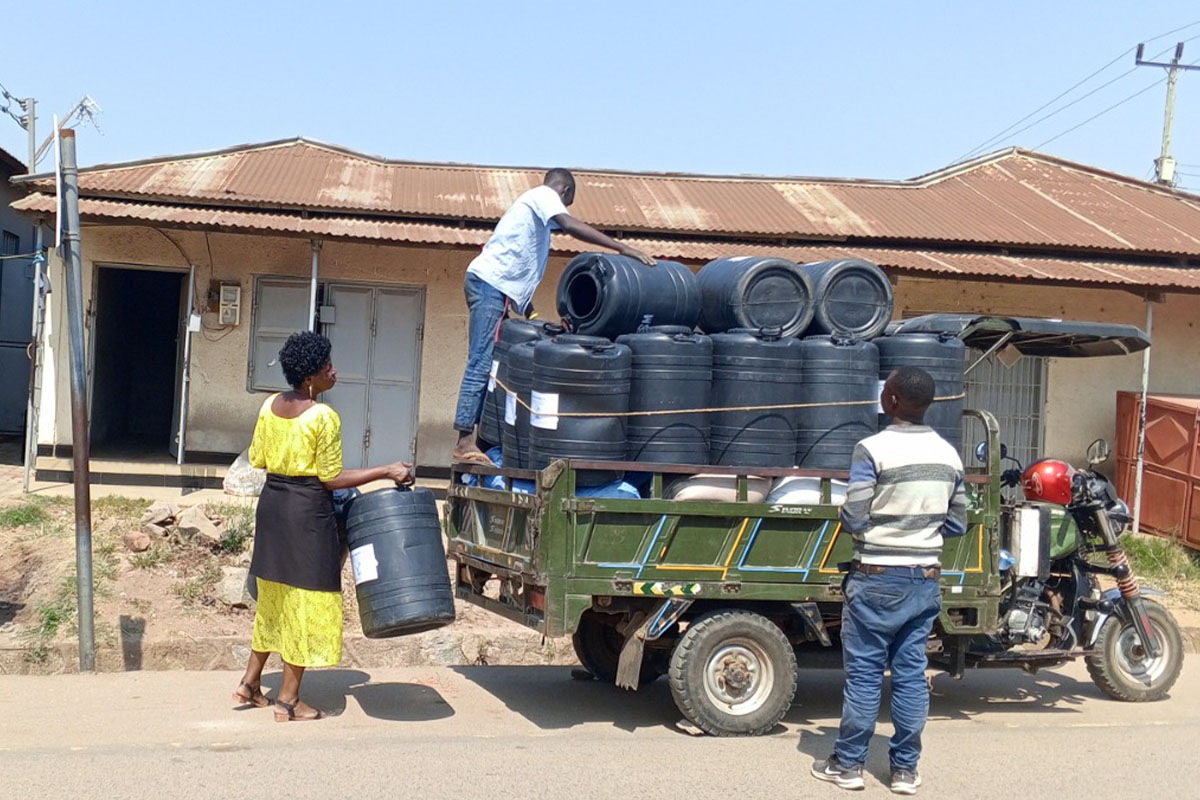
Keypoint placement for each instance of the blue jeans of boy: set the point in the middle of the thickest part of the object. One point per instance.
(886, 621)
(485, 304)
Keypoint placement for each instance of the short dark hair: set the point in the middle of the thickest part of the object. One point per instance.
(303, 354)
(559, 175)
(914, 386)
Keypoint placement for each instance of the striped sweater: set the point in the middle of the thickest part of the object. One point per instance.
(905, 495)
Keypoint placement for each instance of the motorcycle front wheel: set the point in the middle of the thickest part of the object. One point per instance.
(1124, 670)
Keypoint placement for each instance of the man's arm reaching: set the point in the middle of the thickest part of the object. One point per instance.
(586, 233)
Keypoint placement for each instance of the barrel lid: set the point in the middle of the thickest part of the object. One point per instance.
(580, 340)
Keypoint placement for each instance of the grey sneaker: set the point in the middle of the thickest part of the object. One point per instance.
(834, 771)
(905, 781)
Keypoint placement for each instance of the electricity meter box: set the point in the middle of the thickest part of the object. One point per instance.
(230, 308)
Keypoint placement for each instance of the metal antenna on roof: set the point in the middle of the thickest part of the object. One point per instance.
(1164, 165)
(83, 111)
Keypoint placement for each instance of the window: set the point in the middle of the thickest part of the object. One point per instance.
(1016, 395)
(11, 244)
(280, 309)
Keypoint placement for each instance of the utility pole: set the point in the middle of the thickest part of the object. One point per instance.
(1164, 165)
(29, 120)
(72, 261)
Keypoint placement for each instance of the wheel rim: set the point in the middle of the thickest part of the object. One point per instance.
(1135, 662)
(738, 677)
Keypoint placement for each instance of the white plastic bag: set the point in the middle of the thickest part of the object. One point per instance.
(244, 480)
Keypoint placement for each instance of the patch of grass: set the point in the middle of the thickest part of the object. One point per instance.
(25, 515)
(120, 507)
(238, 527)
(58, 612)
(1163, 562)
(156, 556)
(198, 590)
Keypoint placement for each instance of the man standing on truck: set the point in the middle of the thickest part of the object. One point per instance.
(905, 496)
(505, 275)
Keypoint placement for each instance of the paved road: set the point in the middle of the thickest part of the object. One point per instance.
(532, 732)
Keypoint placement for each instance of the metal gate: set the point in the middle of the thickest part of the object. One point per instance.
(1016, 394)
(376, 334)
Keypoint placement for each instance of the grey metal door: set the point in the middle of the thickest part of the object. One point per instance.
(376, 336)
(16, 314)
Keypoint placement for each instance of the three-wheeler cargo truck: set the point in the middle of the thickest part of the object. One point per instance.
(718, 596)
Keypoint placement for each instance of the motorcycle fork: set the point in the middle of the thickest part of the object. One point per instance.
(1131, 593)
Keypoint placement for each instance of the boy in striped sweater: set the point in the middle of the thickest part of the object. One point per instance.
(905, 497)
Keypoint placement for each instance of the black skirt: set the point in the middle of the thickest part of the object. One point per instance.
(296, 537)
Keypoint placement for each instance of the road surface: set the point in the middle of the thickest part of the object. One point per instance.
(531, 732)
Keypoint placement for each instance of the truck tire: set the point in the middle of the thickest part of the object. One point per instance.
(598, 647)
(1123, 671)
(733, 673)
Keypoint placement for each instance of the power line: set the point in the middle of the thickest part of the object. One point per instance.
(1006, 132)
(1138, 93)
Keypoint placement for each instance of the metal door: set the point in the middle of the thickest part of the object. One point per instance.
(16, 311)
(1016, 394)
(376, 337)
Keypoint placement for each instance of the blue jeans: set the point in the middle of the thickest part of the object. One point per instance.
(485, 304)
(886, 621)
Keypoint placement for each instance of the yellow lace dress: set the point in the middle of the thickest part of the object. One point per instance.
(303, 625)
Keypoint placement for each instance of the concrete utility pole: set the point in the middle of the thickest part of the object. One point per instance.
(29, 120)
(72, 260)
(1164, 165)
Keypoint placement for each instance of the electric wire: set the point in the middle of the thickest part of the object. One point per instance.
(1008, 132)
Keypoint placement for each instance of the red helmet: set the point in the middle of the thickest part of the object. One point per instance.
(1048, 481)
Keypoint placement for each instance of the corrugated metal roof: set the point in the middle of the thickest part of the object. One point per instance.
(923, 261)
(1015, 197)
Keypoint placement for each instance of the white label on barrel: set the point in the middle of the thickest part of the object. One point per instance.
(492, 376)
(510, 408)
(362, 560)
(545, 410)
(879, 400)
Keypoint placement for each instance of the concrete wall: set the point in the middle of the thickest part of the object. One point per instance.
(1080, 394)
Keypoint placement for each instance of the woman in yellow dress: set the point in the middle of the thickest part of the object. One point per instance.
(297, 555)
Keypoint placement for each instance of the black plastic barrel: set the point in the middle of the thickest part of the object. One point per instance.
(754, 368)
(750, 292)
(941, 355)
(837, 369)
(579, 374)
(672, 370)
(850, 296)
(512, 332)
(604, 294)
(515, 430)
(399, 563)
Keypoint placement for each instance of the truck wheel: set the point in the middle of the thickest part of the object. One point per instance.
(733, 673)
(598, 647)
(1124, 671)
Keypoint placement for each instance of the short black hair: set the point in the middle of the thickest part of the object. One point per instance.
(558, 174)
(914, 386)
(303, 354)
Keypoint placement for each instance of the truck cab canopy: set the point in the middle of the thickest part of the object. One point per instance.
(1031, 336)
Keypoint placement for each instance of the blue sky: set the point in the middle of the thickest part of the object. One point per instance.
(865, 89)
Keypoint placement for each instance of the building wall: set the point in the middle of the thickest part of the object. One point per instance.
(1080, 395)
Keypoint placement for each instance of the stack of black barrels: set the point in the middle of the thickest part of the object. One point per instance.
(752, 361)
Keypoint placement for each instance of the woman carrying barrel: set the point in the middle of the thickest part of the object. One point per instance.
(297, 555)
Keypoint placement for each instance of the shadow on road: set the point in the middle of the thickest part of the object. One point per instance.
(819, 694)
(327, 689)
(549, 698)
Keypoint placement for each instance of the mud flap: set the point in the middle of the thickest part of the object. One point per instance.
(640, 629)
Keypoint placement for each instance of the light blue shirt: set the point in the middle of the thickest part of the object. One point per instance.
(514, 258)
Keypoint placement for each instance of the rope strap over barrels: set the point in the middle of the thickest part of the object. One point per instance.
(671, 412)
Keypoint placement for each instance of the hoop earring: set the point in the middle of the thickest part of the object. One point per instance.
(310, 392)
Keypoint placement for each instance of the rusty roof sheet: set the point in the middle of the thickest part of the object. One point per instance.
(1014, 197)
(1110, 273)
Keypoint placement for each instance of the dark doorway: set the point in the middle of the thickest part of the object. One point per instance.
(134, 361)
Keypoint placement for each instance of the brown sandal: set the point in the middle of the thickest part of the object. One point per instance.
(476, 457)
(289, 713)
(253, 698)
